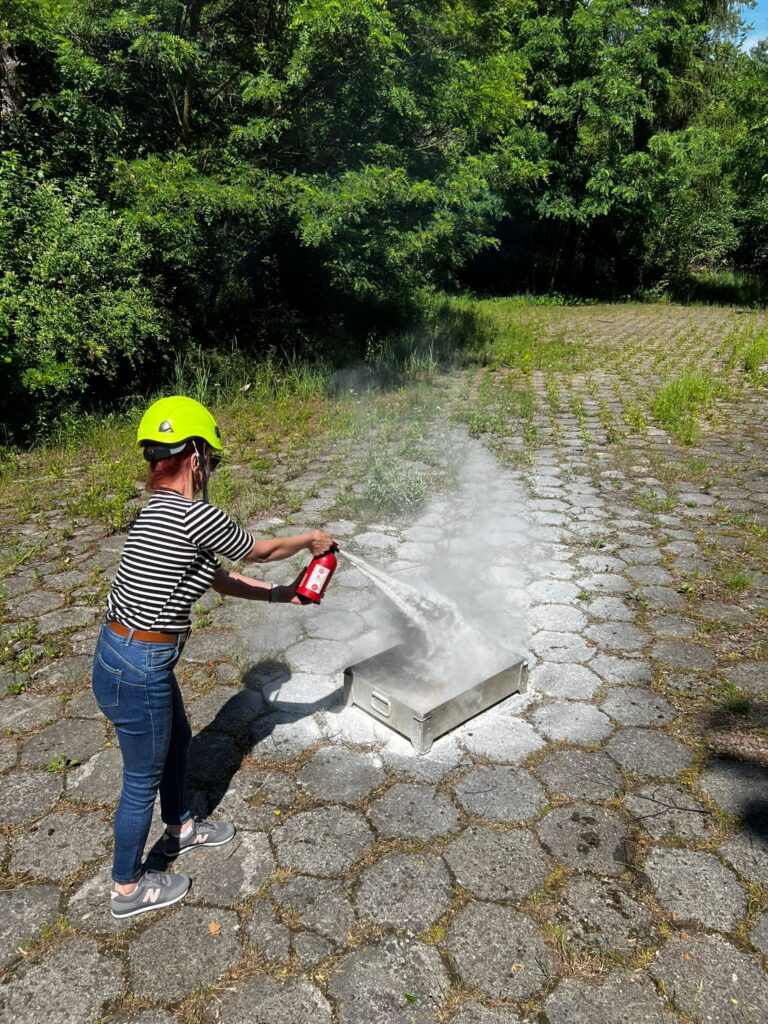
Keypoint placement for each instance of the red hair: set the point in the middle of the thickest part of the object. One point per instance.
(165, 471)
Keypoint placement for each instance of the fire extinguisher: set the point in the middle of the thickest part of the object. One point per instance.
(318, 576)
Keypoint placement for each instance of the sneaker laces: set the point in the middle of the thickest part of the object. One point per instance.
(158, 877)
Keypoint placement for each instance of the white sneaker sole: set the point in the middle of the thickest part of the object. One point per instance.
(151, 906)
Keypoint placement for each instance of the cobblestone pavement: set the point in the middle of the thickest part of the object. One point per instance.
(594, 851)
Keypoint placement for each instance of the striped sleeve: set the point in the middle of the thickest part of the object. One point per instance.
(211, 528)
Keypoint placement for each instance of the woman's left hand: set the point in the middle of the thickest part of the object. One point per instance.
(288, 595)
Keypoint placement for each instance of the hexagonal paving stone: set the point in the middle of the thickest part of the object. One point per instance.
(303, 693)
(573, 722)
(649, 752)
(575, 682)
(228, 874)
(734, 784)
(668, 810)
(748, 853)
(600, 916)
(413, 812)
(501, 793)
(321, 906)
(71, 984)
(341, 774)
(69, 618)
(225, 709)
(288, 1001)
(23, 913)
(750, 677)
(407, 891)
(64, 674)
(562, 647)
(610, 608)
(209, 645)
(650, 574)
(499, 951)
(677, 654)
(25, 795)
(99, 780)
(617, 636)
(498, 738)
(586, 837)
(76, 738)
(444, 756)
(212, 756)
(321, 657)
(621, 670)
(632, 706)
(270, 938)
(475, 1013)
(281, 737)
(672, 627)
(88, 905)
(253, 800)
(48, 848)
(709, 980)
(498, 865)
(558, 617)
(324, 842)
(398, 981)
(553, 592)
(159, 958)
(579, 774)
(624, 996)
(693, 884)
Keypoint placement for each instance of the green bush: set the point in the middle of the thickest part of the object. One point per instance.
(78, 321)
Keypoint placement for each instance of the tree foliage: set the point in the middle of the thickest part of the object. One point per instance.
(285, 171)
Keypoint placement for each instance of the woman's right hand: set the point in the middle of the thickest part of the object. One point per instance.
(319, 542)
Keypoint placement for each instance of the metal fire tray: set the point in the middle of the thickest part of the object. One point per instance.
(393, 690)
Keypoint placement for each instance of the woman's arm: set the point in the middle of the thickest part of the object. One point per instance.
(233, 584)
(272, 550)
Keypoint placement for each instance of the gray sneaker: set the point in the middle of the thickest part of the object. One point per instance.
(154, 889)
(204, 833)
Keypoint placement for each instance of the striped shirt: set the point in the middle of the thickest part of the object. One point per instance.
(168, 562)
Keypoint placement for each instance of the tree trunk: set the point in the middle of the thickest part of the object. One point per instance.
(11, 95)
(195, 11)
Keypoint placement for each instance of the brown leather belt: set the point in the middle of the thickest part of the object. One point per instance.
(147, 635)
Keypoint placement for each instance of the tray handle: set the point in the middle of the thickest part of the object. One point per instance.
(380, 703)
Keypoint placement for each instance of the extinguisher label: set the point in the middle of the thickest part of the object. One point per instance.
(317, 578)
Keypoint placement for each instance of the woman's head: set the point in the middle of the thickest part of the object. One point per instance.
(181, 442)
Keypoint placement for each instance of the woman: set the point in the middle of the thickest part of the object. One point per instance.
(168, 563)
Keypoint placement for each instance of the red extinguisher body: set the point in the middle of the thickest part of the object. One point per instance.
(318, 575)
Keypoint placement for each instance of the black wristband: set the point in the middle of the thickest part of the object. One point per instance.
(273, 594)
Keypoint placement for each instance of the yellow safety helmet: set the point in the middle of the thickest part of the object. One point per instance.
(169, 423)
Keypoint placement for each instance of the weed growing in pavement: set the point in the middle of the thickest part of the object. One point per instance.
(736, 582)
(679, 404)
(734, 700)
(61, 762)
(754, 360)
(636, 416)
(393, 488)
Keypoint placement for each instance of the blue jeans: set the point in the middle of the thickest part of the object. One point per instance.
(135, 687)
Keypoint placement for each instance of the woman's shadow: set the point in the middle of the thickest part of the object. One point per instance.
(245, 720)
